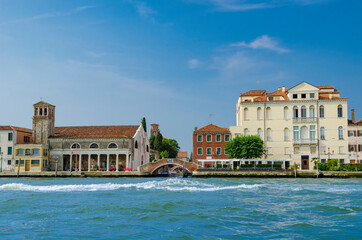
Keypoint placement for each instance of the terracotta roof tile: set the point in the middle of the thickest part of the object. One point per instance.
(325, 87)
(326, 97)
(212, 128)
(11, 128)
(253, 93)
(278, 93)
(95, 132)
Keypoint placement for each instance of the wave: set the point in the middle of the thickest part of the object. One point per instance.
(168, 185)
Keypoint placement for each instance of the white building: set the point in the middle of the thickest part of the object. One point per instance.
(355, 139)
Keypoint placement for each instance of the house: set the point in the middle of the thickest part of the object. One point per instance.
(355, 139)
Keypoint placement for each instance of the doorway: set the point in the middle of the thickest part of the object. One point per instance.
(27, 165)
(305, 162)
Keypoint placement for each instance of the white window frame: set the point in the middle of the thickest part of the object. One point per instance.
(207, 138)
(198, 151)
(218, 135)
(198, 135)
(210, 151)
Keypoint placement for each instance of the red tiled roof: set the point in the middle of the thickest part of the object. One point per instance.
(326, 97)
(182, 154)
(260, 99)
(11, 128)
(95, 132)
(212, 128)
(325, 87)
(253, 93)
(359, 121)
(335, 91)
(278, 93)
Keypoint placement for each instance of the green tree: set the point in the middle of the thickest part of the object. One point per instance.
(164, 154)
(152, 142)
(171, 146)
(144, 124)
(191, 157)
(245, 147)
(158, 142)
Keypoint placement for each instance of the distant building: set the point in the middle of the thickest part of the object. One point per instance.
(154, 129)
(31, 157)
(183, 156)
(9, 137)
(209, 143)
(355, 139)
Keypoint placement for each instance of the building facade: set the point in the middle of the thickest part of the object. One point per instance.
(31, 158)
(300, 123)
(209, 143)
(355, 139)
(9, 137)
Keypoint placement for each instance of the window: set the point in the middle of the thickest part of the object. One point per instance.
(351, 148)
(360, 133)
(35, 162)
(259, 114)
(20, 152)
(296, 133)
(45, 111)
(322, 133)
(45, 152)
(246, 114)
(268, 113)
(199, 138)
(218, 151)
(351, 133)
(246, 132)
(147, 148)
(208, 151)
(311, 95)
(36, 152)
(321, 111)
(75, 146)
(340, 132)
(45, 162)
(41, 112)
(341, 160)
(26, 139)
(296, 150)
(227, 137)
(260, 132)
(27, 152)
(295, 112)
(312, 132)
(295, 96)
(268, 134)
(271, 98)
(113, 145)
(94, 145)
(304, 95)
(9, 162)
(286, 134)
(311, 112)
(21, 162)
(359, 148)
(286, 113)
(340, 112)
(303, 112)
(199, 151)
(10, 136)
(10, 150)
(208, 138)
(218, 138)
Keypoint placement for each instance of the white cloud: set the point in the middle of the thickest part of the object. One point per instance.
(263, 42)
(144, 10)
(194, 63)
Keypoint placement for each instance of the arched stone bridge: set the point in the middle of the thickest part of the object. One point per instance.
(153, 166)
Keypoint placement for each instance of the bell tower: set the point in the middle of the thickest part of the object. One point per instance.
(43, 122)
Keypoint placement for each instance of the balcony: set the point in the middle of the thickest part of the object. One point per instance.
(305, 141)
(305, 120)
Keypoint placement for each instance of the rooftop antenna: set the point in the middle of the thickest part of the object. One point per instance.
(210, 116)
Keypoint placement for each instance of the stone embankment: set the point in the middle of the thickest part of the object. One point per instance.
(74, 174)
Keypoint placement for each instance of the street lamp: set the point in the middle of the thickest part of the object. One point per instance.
(329, 153)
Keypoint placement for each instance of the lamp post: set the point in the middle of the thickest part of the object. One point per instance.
(1, 161)
(329, 153)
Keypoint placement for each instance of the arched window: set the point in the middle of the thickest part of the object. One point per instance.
(147, 148)
(112, 145)
(94, 145)
(260, 133)
(268, 113)
(268, 134)
(45, 112)
(322, 133)
(321, 111)
(295, 112)
(303, 112)
(340, 111)
(340, 132)
(246, 114)
(311, 112)
(246, 132)
(136, 144)
(286, 134)
(259, 114)
(75, 146)
(286, 113)
(41, 112)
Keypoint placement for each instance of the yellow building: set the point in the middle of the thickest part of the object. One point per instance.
(298, 124)
(32, 157)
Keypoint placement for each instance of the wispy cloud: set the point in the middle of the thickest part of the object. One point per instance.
(193, 63)
(144, 10)
(95, 54)
(46, 16)
(263, 42)
(245, 5)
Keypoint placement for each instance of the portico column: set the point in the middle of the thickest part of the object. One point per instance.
(117, 162)
(99, 162)
(71, 162)
(89, 159)
(80, 162)
(107, 162)
(127, 163)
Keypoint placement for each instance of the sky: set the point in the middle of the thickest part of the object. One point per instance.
(179, 63)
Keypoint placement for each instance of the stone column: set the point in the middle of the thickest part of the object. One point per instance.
(71, 162)
(107, 162)
(117, 163)
(127, 163)
(80, 162)
(99, 162)
(89, 164)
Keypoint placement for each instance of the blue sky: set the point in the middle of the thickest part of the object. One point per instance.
(180, 63)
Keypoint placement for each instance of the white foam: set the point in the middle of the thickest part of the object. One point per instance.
(168, 185)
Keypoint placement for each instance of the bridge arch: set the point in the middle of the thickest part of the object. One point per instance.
(169, 164)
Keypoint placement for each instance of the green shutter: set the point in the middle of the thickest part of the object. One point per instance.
(10, 150)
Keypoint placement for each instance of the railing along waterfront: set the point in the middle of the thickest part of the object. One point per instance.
(305, 141)
(305, 120)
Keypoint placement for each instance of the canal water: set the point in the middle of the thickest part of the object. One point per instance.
(175, 208)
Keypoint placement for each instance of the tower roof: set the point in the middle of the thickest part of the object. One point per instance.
(42, 103)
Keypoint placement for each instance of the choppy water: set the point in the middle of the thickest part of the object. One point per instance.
(174, 208)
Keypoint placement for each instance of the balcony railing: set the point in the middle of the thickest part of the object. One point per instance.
(305, 120)
(304, 141)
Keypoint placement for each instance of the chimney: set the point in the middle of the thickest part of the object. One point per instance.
(195, 128)
(279, 88)
(283, 88)
(353, 116)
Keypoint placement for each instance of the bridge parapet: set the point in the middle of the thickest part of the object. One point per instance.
(152, 166)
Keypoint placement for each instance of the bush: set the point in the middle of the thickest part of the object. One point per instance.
(332, 165)
(259, 166)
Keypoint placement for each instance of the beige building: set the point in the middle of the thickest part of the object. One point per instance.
(31, 157)
(355, 139)
(300, 123)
